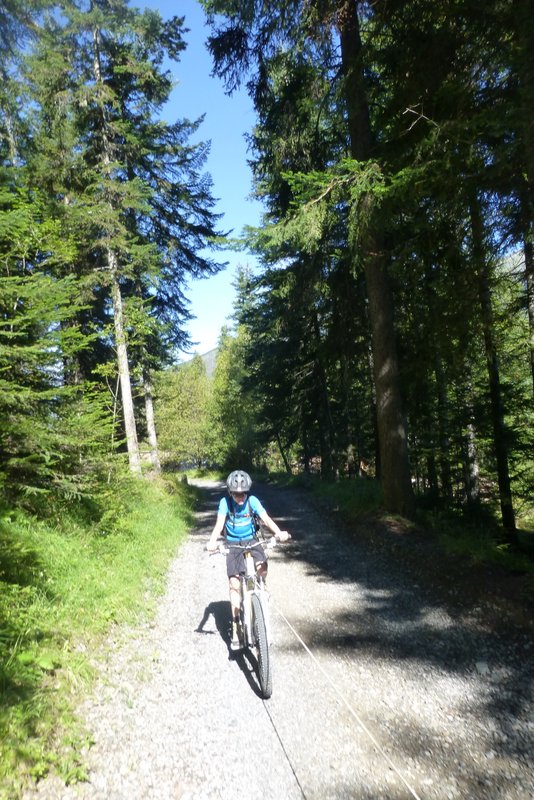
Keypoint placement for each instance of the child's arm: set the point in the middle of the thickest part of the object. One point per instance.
(282, 536)
(216, 532)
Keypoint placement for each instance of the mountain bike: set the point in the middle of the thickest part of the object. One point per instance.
(254, 614)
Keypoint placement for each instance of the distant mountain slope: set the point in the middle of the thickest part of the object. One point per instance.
(209, 360)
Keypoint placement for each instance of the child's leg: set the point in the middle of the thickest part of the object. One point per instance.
(261, 569)
(235, 604)
(235, 596)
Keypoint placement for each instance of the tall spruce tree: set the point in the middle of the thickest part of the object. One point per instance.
(51, 431)
(421, 84)
(130, 181)
(249, 37)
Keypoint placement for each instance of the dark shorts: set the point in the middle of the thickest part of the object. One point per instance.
(235, 561)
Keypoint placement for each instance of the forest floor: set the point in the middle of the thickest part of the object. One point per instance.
(502, 596)
(501, 593)
(398, 673)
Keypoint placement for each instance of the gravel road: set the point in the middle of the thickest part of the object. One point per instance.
(380, 691)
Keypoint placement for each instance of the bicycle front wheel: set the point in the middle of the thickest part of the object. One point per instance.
(262, 648)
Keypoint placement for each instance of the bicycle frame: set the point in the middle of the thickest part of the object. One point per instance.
(252, 584)
(254, 616)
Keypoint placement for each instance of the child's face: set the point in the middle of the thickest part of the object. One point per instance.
(239, 497)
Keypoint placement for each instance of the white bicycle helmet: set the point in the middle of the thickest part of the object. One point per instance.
(238, 481)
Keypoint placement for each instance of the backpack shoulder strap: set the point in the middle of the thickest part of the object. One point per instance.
(254, 517)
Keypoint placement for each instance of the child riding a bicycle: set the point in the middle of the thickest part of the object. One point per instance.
(237, 517)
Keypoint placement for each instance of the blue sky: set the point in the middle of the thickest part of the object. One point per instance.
(226, 121)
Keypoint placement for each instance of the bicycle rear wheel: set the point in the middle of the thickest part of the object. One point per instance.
(262, 648)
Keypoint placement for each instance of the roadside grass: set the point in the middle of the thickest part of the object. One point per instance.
(205, 474)
(481, 544)
(353, 497)
(64, 582)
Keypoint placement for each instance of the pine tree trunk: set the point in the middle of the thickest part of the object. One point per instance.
(529, 280)
(287, 465)
(350, 436)
(130, 429)
(497, 411)
(393, 445)
(524, 21)
(471, 469)
(326, 428)
(151, 424)
(443, 427)
(305, 447)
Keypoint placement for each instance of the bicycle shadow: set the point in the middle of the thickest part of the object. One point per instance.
(248, 664)
(221, 613)
(246, 661)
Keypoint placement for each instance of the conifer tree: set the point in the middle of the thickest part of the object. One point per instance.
(414, 127)
(129, 181)
(44, 443)
(251, 37)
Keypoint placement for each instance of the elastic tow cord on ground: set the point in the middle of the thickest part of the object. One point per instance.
(284, 751)
(347, 704)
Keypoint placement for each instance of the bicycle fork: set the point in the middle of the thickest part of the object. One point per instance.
(246, 615)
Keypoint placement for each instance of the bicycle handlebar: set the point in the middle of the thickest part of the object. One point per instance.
(224, 549)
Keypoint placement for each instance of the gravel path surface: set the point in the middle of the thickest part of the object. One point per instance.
(380, 692)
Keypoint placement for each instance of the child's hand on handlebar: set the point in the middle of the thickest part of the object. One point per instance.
(283, 536)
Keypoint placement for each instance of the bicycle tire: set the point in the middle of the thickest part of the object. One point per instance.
(262, 648)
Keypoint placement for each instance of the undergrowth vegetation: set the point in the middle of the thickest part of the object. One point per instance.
(476, 540)
(65, 580)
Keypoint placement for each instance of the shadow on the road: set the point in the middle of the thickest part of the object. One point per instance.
(403, 619)
(221, 613)
(248, 665)
(399, 617)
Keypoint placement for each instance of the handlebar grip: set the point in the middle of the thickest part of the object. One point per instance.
(220, 551)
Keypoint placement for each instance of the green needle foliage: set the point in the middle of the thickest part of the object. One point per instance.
(393, 153)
